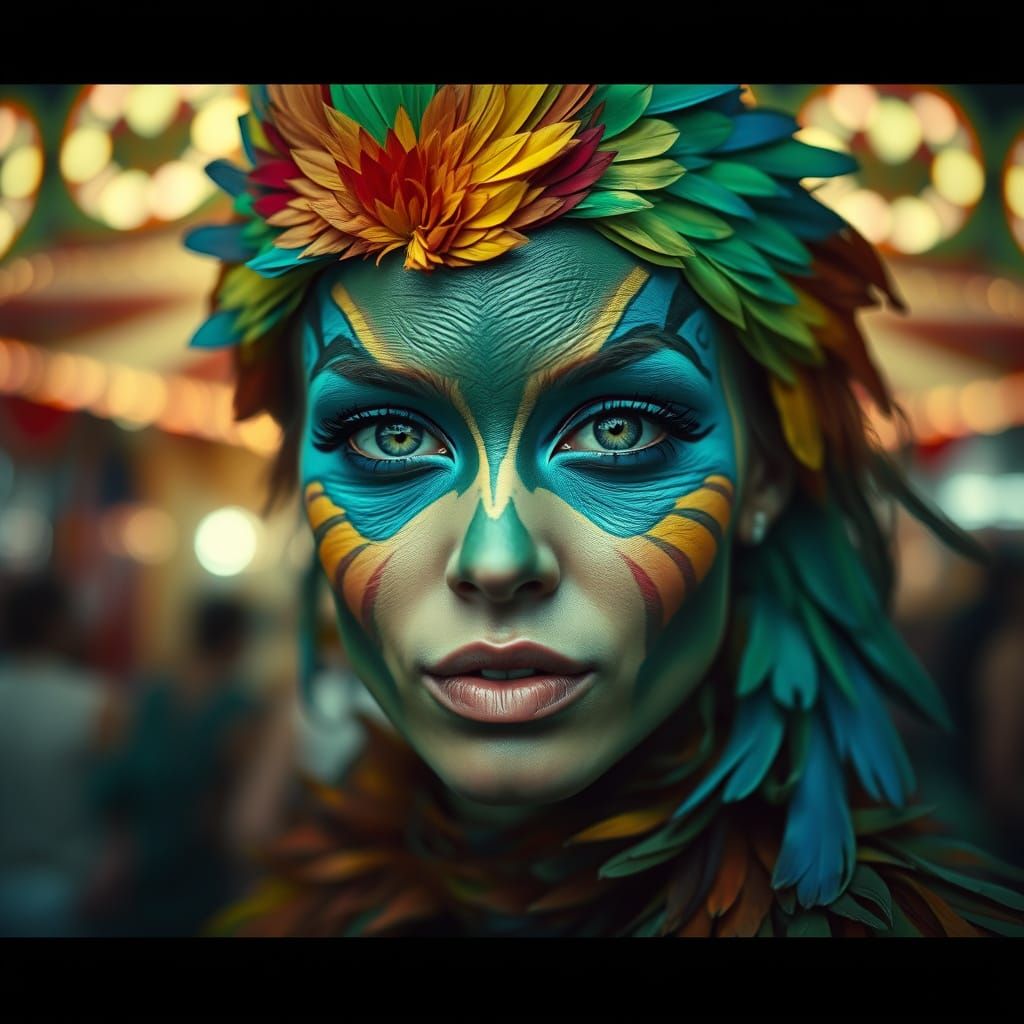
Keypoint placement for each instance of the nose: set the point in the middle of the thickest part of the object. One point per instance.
(499, 560)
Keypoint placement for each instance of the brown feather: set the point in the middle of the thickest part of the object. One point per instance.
(732, 873)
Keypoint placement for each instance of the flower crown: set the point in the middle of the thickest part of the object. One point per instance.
(684, 176)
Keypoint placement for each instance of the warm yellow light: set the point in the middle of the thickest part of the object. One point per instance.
(894, 130)
(176, 189)
(937, 116)
(951, 215)
(851, 105)
(1002, 296)
(8, 229)
(1014, 190)
(816, 135)
(981, 405)
(215, 127)
(8, 126)
(123, 203)
(260, 434)
(151, 108)
(107, 102)
(21, 173)
(915, 225)
(958, 176)
(86, 151)
(868, 212)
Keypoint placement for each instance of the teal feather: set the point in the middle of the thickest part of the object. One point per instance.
(226, 242)
(274, 262)
(698, 189)
(869, 886)
(759, 651)
(690, 220)
(775, 241)
(667, 98)
(753, 745)
(818, 847)
(227, 176)
(794, 160)
(795, 672)
(741, 179)
(217, 332)
(865, 736)
(756, 128)
(699, 131)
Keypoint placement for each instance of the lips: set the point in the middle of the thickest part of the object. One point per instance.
(489, 683)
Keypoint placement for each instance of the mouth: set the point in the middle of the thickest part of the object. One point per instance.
(518, 682)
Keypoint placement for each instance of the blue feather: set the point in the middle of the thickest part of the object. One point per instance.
(795, 674)
(802, 214)
(217, 332)
(226, 242)
(866, 736)
(818, 847)
(756, 737)
(758, 128)
(227, 177)
(273, 262)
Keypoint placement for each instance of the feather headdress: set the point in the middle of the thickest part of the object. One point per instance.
(690, 177)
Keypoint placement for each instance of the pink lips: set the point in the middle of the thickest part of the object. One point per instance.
(556, 681)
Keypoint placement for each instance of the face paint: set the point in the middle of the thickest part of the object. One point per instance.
(537, 451)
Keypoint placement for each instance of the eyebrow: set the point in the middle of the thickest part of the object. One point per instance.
(415, 382)
(637, 344)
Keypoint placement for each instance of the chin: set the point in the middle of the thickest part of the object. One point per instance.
(502, 778)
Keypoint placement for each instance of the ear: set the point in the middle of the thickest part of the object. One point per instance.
(769, 486)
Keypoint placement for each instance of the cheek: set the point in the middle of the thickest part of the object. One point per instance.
(671, 559)
(353, 564)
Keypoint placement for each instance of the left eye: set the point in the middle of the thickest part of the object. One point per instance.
(396, 439)
(617, 431)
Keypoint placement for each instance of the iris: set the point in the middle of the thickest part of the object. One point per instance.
(398, 438)
(618, 432)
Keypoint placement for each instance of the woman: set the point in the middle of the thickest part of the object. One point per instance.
(590, 483)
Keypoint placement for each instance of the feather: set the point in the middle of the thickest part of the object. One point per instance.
(714, 288)
(749, 913)
(640, 175)
(667, 98)
(701, 189)
(759, 650)
(624, 105)
(731, 876)
(631, 823)
(691, 220)
(818, 847)
(610, 203)
(774, 240)
(800, 423)
(648, 138)
(802, 214)
(741, 179)
(754, 742)
(795, 673)
(864, 735)
(868, 886)
(217, 332)
(846, 906)
(811, 924)
(758, 128)
(699, 131)
(792, 159)
(227, 243)
(645, 229)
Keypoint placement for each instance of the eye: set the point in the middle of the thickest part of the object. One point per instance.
(395, 438)
(618, 430)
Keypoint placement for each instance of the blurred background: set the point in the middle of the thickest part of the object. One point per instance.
(151, 735)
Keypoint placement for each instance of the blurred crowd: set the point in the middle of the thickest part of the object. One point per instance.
(138, 806)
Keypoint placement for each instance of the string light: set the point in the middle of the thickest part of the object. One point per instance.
(21, 170)
(915, 129)
(128, 198)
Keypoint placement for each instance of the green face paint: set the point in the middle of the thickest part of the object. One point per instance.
(541, 450)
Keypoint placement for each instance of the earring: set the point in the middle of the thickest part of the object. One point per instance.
(759, 527)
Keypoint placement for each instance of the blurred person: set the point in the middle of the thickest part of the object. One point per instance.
(170, 787)
(54, 718)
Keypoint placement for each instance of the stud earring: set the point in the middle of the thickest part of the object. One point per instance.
(759, 527)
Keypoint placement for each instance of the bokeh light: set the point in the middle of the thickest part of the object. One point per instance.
(226, 541)
(21, 170)
(1013, 189)
(921, 173)
(133, 155)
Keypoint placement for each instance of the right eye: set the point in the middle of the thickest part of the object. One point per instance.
(393, 438)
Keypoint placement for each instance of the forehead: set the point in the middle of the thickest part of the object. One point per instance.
(562, 292)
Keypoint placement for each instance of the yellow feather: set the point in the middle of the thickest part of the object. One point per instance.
(799, 418)
(542, 146)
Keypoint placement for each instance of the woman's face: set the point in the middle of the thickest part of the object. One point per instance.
(521, 478)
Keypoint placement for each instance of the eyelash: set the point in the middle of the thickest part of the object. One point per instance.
(680, 422)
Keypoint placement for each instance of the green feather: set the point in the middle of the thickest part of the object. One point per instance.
(742, 179)
(759, 651)
(871, 820)
(825, 646)
(359, 103)
(690, 220)
(792, 159)
(624, 105)
(661, 846)
(611, 231)
(847, 906)
(811, 924)
(640, 175)
(901, 926)
(698, 188)
(648, 138)
(755, 340)
(869, 885)
(646, 229)
(714, 288)
(610, 204)
(700, 131)
(774, 240)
